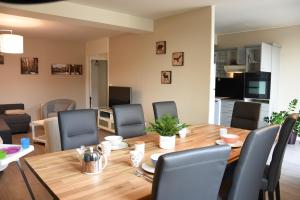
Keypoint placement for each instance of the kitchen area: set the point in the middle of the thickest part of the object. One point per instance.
(246, 73)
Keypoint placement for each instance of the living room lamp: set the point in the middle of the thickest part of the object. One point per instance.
(11, 43)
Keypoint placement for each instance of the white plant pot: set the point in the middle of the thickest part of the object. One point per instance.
(182, 133)
(167, 142)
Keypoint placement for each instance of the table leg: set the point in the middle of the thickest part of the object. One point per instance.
(25, 179)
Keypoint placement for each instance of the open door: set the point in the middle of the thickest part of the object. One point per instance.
(98, 84)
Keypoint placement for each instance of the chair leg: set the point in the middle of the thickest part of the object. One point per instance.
(277, 191)
(271, 195)
(262, 195)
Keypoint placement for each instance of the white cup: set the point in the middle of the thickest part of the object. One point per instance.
(223, 131)
(136, 158)
(105, 147)
(140, 146)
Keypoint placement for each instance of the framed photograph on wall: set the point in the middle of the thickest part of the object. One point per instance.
(60, 69)
(161, 47)
(76, 69)
(166, 77)
(29, 65)
(1, 59)
(178, 58)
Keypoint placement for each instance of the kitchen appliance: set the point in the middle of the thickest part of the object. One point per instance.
(257, 85)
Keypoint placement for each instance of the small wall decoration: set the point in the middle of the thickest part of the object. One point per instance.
(66, 69)
(76, 69)
(166, 77)
(178, 58)
(161, 47)
(29, 65)
(1, 59)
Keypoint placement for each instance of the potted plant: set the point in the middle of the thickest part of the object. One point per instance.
(277, 118)
(182, 130)
(167, 128)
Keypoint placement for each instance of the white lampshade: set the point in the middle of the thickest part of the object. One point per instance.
(10, 43)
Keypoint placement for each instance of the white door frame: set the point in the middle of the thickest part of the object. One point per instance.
(98, 57)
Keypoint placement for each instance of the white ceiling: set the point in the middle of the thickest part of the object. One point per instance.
(231, 15)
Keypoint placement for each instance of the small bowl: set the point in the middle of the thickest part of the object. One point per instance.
(230, 138)
(154, 158)
(115, 140)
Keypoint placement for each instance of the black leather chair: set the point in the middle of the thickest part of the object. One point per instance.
(164, 107)
(192, 174)
(249, 171)
(245, 115)
(78, 127)
(270, 181)
(129, 120)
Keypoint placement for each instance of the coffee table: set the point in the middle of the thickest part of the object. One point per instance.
(35, 138)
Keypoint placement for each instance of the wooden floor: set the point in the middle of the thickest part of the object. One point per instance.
(12, 186)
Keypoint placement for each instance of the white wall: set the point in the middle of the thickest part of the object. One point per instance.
(133, 63)
(33, 90)
(289, 39)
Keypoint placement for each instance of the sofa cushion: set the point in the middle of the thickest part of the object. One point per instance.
(15, 112)
(4, 107)
(16, 119)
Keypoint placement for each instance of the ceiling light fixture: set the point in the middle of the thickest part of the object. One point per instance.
(11, 43)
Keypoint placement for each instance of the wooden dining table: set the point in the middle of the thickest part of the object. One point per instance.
(60, 172)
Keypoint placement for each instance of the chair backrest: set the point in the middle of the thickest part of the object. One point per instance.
(279, 150)
(57, 105)
(245, 115)
(252, 162)
(52, 134)
(164, 107)
(191, 174)
(78, 127)
(129, 120)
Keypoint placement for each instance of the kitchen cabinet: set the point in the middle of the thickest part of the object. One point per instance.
(229, 56)
(259, 58)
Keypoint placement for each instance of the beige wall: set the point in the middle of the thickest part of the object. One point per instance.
(133, 62)
(289, 39)
(33, 90)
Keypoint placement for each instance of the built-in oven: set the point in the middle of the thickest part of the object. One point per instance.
(257, 85)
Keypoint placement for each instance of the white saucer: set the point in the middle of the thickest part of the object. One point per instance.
(148, 168)
(235, 145)
(122, 145)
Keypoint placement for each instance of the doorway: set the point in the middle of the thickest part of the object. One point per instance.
(98, 83)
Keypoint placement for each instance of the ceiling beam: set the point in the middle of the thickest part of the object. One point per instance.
(86, 14)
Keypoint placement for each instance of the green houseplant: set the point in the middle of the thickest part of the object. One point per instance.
(277, 118)
(167, 127)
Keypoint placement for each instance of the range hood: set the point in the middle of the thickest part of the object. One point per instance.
(235, 68)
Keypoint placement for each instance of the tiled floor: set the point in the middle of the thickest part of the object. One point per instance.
(12, 186)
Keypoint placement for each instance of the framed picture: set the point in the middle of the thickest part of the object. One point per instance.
(166, 77)
(161, 47)
(76, 69)
(66, 69)
(178, 58)
(60, 69)
(1, 59)
(29, 65)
